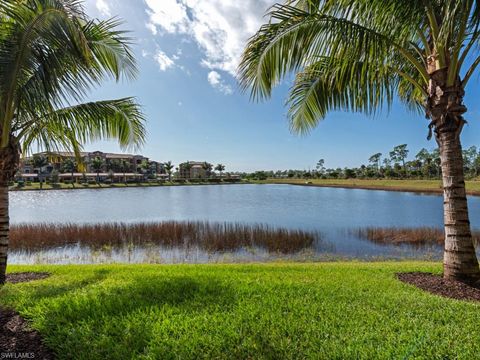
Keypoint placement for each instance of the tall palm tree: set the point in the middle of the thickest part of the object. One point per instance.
(186, 169)
(39, 162)
(146, 167)
(124, 166)
(168, 168)
(207, 167)
(70, 166)
(358, 55)
(97, 165)
(51, 55)
(220, 168)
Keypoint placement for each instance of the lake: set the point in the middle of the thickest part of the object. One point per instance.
(333, 211)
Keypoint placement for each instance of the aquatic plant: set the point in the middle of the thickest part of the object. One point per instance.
(410, 236)
(211, 237)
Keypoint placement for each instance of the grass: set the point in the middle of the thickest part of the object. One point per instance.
(211, 237)
(280, 311)
(473, 187)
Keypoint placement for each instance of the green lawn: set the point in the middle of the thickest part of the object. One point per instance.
(408, 185)
(325, 311)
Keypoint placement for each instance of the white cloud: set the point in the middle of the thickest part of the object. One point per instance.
(152, 28)
(215, 79)
(163, 60)
(103, 7)
(219, 27)
(168, 14)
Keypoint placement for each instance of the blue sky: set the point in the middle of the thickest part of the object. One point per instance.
(187, 53)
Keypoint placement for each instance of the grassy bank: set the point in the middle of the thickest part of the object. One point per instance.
(433, 186)
(283, 311)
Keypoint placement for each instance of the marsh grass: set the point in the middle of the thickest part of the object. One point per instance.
(409, 236)
(211, 237)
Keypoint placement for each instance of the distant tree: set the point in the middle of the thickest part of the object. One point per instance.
(69, 166)
(123, 167)
(97, 165)
(187, 167)
(146, 167)
(425, 159)
(469, 156)
(39, 162)
(220, 168)
(111, 175)
(399, 154)
(320, 167)
(169, 168)
(54, 176)
(375, 160)
(349, 173)
(208, 169)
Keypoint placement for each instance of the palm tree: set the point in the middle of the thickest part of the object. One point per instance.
(361, 55)
(39, 162)
(124, 166)
(70, 166)
(207, 167)
(220, 168)
(168, 168)
(97, 165)
(186, 167)
(51, 55)
(146, 168)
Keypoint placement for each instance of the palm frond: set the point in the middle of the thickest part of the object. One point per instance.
(67, 128)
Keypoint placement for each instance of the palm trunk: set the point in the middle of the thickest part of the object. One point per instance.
(460, 260)
(4, 221)
(445, 108)
(9, 160)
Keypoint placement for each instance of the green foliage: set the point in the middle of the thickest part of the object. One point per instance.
(51, 56)
(281, 311)
(39, 162)
(97, 164)
(69, 166)
(359, 55)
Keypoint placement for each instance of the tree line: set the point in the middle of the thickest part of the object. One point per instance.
(395, 164)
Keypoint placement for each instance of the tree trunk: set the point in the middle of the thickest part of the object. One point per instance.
(4, 221)
(460, 260)
(9, 160)
(445, 108)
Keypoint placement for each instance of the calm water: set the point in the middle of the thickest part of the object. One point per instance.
(330, 210)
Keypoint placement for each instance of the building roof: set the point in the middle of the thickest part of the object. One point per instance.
(87, 154)
(194, 163)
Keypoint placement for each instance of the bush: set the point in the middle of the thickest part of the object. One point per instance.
(232, 180)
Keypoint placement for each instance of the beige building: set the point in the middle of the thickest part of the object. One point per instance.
(119, 164)
(195, 170)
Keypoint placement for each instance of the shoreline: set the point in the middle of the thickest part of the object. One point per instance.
(402, 186)
(131, 186)
(399, 188)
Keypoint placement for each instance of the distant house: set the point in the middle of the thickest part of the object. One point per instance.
(194, 170)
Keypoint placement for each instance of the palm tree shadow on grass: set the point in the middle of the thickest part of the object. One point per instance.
(43, 290)
(91, 297)
(101, 312)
